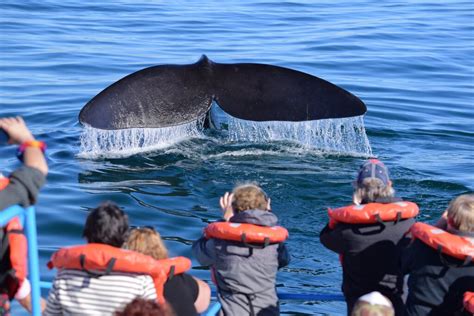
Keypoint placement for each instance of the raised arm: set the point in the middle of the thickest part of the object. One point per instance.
(18, 133)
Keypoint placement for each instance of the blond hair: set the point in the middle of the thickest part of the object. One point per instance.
(461, 213)
(370, 190)
(249, 197)
(147, 241)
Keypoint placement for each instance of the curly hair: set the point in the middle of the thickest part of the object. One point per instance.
(106, 224)
(147, 241)
(249, 197)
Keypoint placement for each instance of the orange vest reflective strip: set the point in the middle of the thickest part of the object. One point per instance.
(372, 213)
(243, 232)
(455, 246)
(18, 249)
(4, 182)
(469, 302)
(99, 257)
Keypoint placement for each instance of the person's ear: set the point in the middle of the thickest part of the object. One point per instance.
(269, 207)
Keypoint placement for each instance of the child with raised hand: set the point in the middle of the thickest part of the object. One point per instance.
(440, 261)
(370, 235)
(245, 251)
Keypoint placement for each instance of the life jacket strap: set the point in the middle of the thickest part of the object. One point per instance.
(445, 262)
(266, 242)
(96, 274)
(172, 272)
(379, 220)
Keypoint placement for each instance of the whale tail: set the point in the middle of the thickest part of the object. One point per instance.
(169, 95)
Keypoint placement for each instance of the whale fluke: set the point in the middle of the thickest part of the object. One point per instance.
(169, 95)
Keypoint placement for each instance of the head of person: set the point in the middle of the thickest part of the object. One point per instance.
(249, 197)
(106, 224)
(146, 241)
(461, 213)
(373, 304)
(372, 183)
(143, 307)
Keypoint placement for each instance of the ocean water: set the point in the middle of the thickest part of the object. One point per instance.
(409, 61)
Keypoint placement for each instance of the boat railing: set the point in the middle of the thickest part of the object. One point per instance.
(28, 217)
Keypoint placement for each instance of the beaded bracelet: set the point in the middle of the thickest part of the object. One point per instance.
(30, 143)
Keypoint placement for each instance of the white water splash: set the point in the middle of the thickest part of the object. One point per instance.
(342, 135)
(125, 142)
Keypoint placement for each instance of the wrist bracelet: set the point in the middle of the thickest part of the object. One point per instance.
(30, 143)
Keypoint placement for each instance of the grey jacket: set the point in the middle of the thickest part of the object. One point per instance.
(245, 277)
(25, 183)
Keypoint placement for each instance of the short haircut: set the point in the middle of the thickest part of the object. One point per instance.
(106, 224)
(461, 213)
(249, 197)
(143, 307)
(147, 241)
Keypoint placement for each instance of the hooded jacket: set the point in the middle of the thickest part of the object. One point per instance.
(245, 277)
(370, 255)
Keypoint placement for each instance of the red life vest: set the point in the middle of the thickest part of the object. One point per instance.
(104, 258)
(455, 246)
(4, 182)
(16, 240)
(469, 302)
(247, 233)
(372, 213)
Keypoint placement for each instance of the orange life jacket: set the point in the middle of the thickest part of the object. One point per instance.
(4, 182)
(455, 246)
(372, 213)
(16, 240)
(103, 258)
(469, 302)
(246, 233)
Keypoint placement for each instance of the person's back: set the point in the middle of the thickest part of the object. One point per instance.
(79, 291)
(370, 249)
(245, 275)
(186, 294)
(437, 282)
(76, 292)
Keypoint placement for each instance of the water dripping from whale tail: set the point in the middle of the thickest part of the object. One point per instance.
(97, 143)
(337, 135)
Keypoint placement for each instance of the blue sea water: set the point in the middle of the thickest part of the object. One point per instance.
(409, 61)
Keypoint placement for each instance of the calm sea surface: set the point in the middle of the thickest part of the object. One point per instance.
(410, 62)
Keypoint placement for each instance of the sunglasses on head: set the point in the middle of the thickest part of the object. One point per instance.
(133, 227)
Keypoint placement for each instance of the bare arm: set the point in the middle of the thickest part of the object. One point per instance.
(26, 303)
(19, 133)
(204, 296)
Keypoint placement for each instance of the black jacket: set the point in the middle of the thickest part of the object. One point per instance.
(436, 284)
(370, 258)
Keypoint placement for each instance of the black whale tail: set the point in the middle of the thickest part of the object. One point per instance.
(168, 95)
